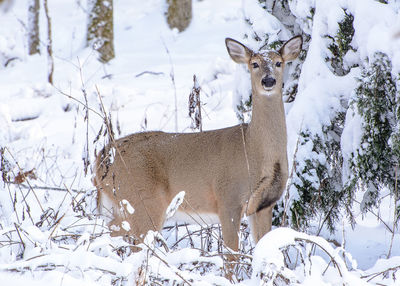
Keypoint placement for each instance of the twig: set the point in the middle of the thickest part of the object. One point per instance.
(56, 225)
(190, 236)
(327, 252)
(107, 121)
(191, 233)
(287, 195)
(19, 235)
(93, 232)
(165, 263)
(195, 106)
(376, 274)
(9, 60)
(395, 211)
(377, 216)
(58, 189)
(149, 72)
(172, 76)
(26, 180)
(86, 160)
(247, 165)
(204, 222)
(78, 101)
(14, 203)
(326, 217)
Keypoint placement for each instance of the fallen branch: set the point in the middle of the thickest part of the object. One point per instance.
(376, 274)
(149, 72)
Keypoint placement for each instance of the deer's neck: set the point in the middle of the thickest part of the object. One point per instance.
(266, 134)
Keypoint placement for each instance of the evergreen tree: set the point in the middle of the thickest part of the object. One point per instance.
(375, 164)
(318, 178)
(340, 44)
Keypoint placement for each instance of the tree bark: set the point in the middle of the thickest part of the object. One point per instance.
(100, 31)
(179, 14)
(33, 27)
(49, 45)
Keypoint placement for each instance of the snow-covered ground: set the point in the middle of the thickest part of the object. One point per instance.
(49, 234)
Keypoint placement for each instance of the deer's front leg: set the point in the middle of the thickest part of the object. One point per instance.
(261, 223)
(230, 222)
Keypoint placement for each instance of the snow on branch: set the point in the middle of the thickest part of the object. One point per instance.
(174, 205)
(274, 262)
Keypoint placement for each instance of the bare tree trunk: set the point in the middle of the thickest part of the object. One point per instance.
(179, 14)
(49, 45)
(6, 5)
(100, 31)
(33, 27)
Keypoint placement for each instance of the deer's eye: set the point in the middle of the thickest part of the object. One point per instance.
(255, 65)
(278, 64)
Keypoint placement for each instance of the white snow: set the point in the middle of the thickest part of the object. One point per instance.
(174, 204)
(43, 128)
(126, 226)
(128, 206)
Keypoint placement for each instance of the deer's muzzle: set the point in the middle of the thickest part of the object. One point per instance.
(268, 82)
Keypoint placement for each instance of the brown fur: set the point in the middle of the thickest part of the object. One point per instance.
(228, 172)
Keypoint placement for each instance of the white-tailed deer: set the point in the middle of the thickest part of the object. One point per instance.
(228, 172)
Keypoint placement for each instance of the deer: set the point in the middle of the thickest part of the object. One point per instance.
(230, 172)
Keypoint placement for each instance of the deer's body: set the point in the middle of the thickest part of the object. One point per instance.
(227, 172)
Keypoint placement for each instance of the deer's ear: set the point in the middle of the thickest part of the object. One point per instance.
(238, 52)
(291, 49)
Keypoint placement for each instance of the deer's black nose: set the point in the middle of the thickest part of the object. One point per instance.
(268, 81)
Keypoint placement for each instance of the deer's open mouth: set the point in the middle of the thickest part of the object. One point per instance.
(269, 89)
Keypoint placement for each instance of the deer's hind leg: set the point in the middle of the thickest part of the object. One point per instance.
(150, 211)
(136, 209)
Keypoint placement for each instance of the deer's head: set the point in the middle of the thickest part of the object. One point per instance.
(266, 68)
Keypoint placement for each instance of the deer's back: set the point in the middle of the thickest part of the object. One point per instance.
(199, 162)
